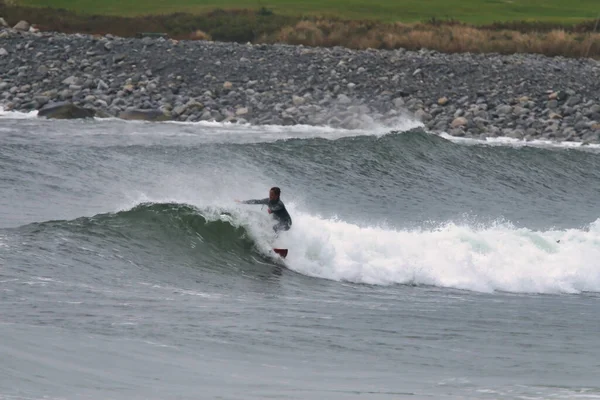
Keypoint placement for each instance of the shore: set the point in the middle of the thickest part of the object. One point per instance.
(472, 95)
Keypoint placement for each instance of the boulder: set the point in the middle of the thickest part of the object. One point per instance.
(144, 115)
(65, 110)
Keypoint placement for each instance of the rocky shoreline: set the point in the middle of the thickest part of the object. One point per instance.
(155, 78)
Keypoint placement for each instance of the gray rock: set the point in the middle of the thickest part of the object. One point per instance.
(72, 80)
(574, 100)
(458, 122)
(343, 99)
(504, 109)
(42, 100)
(144, 115)
(334, 86)
(65, 111)
(399, 102)
(423, 116)
(297, 100)
(515, 134)
(22, 26)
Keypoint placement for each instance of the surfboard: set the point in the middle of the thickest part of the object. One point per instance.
(282, 252)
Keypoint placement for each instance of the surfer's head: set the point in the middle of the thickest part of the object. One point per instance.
(274, 193)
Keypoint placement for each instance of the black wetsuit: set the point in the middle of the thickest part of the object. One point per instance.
(284, 221)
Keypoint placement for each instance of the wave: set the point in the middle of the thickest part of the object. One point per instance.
(496, 257)
(468, 256)
(513, 142)
(210, 235)
(220, 132)
(228, 132)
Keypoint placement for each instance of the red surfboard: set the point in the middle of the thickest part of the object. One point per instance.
(281, 252)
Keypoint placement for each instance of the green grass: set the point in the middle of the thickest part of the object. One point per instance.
(551, 27)
(469, 11)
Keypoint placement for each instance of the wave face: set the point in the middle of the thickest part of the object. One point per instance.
(491, 258)
(405, 207)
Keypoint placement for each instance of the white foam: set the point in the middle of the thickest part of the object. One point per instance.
(17, 114)
(497, 257)
(486, 259)
(267, 133)
(513, 142)
(225, 131)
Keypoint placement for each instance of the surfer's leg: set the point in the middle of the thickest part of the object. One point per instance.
(281, 226)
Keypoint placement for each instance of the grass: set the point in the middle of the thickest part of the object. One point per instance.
(549, 27)
(470, 11)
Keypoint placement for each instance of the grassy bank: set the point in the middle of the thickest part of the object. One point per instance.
(545, 33)
(470, 11)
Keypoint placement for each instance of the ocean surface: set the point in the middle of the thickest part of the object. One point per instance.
(420, 266)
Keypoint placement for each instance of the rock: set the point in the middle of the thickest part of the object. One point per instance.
(562, 95)
(65, 110)
(3, 52)
(399, 102)
(103, 114)
(42, 70)
(442, 101)
(514, 134)
(573, 101)
(144, 115)
(343, 99)
(518, 110)
(72, 80)
(554, 115)
(458, 122)
(102, 85)
(179, 110)
(22, 26)
(118, 58)
(298, 101)
(423, 116)
(42, 100)
(504, 109)
(595, 109)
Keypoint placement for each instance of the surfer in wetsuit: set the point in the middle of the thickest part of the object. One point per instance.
(275, 207)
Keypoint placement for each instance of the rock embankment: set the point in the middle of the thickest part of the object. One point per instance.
(483, 95)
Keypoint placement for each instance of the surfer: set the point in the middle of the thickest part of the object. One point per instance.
(275, 207)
